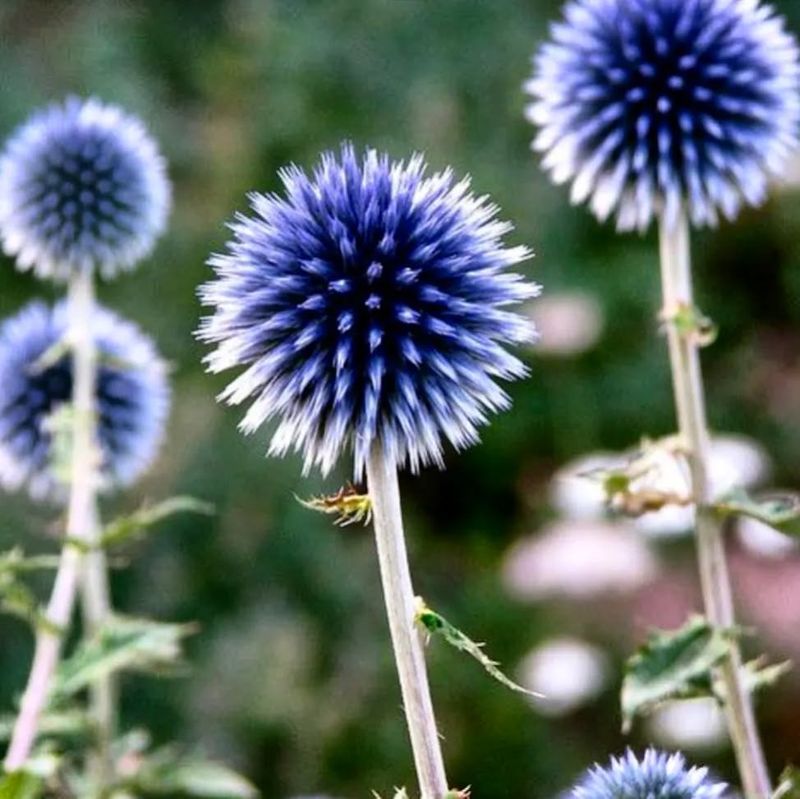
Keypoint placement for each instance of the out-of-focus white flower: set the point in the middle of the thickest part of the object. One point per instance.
(567, 672)
(760, 539)
(696, 724)
(569, 322)
(735, 461)
(579, 559)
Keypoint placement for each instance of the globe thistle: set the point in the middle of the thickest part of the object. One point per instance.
(82, 186)
(371, 303)
(648, 106)
(657, 775)
(132, 397)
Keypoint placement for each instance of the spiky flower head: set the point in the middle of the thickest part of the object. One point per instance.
(370, 303)
(82, 186)
(132, 399)
(658, 775)
(650, 106)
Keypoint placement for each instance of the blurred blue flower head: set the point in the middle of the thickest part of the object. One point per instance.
(371, 303)
(657, 774)
(132, 397)
(647, 106)
(82, 186)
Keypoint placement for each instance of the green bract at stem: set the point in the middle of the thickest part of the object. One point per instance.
(676, 279)
(401, 609)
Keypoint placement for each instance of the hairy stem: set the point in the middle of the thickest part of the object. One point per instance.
(406, 638)
(81, 512)
(676, 276)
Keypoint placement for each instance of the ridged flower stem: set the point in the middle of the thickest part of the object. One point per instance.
(81, 521)
(401, 609)
(687, 381)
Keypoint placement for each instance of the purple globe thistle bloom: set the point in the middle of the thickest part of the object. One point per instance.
(653, 105)
(132, 398)
(371, 303)
(657, 775)
(82, 186)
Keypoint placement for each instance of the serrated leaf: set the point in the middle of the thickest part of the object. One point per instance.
(399, 793)
(436, 624)
(672, 665)
(781, 512)
(788, 784)
(166, 773)
(124, 643)
(134, 525)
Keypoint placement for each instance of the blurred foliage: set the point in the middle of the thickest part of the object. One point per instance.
(294, 681)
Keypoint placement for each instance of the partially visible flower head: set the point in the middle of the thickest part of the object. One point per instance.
(82, 186)
(657, 774)
(650, 105)
(371, 303)
(132, 398)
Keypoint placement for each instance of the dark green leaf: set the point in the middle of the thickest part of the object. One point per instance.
(672, 665)
(435, 624)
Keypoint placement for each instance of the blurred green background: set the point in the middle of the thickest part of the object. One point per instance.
(292, 678)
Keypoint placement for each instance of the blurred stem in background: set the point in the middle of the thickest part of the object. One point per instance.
(401, 609)
(82, 534)
(676, 278)
(84, 520)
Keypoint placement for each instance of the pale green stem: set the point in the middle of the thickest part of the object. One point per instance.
(676, 277)
(80, 515)
(401, 610)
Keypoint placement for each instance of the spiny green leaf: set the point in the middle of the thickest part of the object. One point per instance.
(166, 772)
(136, 524)
(123, 643)
(672, 665)
(435, 624)
(781, 512)
(399, 793)
(788, 784)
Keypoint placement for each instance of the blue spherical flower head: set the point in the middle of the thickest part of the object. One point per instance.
(657, 775)
(650, 106)
(371, 303)
(82, 186)
(132, 399)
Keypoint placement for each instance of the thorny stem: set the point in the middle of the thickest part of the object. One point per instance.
(676, 276)
(401, 610)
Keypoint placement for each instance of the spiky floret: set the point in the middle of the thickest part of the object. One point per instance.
(82, 185)
(658, 775)
(132, 399)
(369, 303)
(653, 105)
